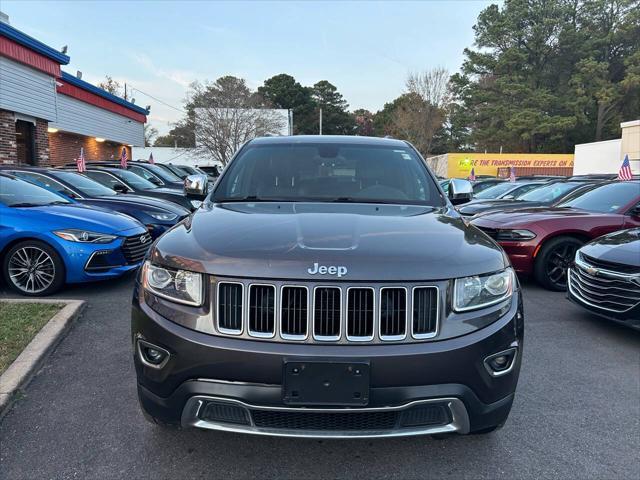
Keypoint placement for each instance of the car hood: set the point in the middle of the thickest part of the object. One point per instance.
(146, 203)
(284, 240)
(81, 217)
(532, 215)
(480, 206)
(619, 247)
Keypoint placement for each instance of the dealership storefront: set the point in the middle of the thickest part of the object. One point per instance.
(47, 115)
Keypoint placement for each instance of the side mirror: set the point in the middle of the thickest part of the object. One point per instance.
(460, 191)
(118, 187)
(155, 181)
(196, 186)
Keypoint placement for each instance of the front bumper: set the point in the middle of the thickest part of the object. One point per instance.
(521, 255)
(246, 375)
(87, 262)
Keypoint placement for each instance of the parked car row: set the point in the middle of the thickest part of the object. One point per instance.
(579, 234)
(60, 226)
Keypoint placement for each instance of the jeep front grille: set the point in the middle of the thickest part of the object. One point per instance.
(393, 313)
(294, 312)
(360, 313)
(315, 313)
(230, 301)
(327, 305)
(262, 310)
(425, 312)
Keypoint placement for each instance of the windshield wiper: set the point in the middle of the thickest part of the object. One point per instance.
(27, 204)
(248, 198)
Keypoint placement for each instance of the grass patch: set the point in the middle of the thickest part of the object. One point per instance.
(19, 323)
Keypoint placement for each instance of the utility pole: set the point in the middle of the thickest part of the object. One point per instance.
(125, 91)
(320, 121)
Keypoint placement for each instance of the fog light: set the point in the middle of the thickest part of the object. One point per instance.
(152, 355)
(501, 363)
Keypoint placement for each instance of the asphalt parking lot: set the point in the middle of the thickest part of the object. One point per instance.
(576, 414)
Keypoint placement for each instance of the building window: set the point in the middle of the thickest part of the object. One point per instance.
(25, 142)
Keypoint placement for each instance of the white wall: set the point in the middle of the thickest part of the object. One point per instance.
(177, 156)
(79, 117)
(27, 90)
(597, 157)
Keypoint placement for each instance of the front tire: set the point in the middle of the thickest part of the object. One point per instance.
(556, 255)
(33, 268)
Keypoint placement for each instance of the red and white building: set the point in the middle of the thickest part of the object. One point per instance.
(47, 115)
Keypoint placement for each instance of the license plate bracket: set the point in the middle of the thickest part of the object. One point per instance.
(325, 383)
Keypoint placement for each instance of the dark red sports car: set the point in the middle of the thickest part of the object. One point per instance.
(543, 241)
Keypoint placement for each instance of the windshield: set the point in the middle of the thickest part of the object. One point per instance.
(19, 193)
(134, 180)
(607, 198)
(337, 172)
(163, 173)
(87, 186)
(550, 193)
(496, 190)
(179, 171)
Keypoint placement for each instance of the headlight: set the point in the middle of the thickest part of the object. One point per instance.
(196, 203)
(84, 236)
(164, 217)
(179, 286)
(515, 235)
(475, 292)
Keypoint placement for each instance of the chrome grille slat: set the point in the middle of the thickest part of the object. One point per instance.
(327, 307)
(229, 312)
(294, 312)
(360, 313)
(425, 312)
(310, 312)
(603, 292)
(393, 313)
(262, 311)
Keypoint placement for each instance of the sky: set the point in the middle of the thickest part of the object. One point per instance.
(158, 48)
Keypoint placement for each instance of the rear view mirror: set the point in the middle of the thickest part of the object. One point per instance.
(460, 191)
(635, 211)
(196, 186)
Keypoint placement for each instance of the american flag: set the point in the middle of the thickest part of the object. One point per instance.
(472, 176)
(512, 174)
(151, 158)
(80, 162)
(625, 172)
(123, 158)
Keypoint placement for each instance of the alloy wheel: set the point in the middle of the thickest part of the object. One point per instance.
(559, 261)
(31, 269)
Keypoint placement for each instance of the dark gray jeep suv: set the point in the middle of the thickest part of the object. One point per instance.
(327, 288)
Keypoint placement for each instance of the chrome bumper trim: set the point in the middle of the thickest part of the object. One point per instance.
(458, 424)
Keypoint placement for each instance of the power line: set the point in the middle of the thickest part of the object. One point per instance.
(158, 100)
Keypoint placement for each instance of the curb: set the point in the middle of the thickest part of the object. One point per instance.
(19, 373)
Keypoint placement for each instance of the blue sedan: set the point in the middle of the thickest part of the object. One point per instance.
(47, 240)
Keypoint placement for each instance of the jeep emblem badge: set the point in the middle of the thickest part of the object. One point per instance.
(317, 269)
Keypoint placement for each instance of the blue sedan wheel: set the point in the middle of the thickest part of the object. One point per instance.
(33, 268)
